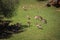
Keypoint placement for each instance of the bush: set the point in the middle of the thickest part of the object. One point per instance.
(7, 7)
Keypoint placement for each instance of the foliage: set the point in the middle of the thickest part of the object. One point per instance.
(7, 7)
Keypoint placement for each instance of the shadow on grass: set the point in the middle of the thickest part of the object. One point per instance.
(5, 35)
(8, 30)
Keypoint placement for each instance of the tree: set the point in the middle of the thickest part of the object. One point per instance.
(7, 7)
(55, 3)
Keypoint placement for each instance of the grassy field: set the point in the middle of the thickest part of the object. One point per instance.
(51, 30)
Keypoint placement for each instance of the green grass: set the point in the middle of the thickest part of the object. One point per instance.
(51, 30)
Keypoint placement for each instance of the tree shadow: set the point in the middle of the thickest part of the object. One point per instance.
(6, 30)
(5, 35)
(21, 29)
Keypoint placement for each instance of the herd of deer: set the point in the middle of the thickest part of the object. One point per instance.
(37, 18)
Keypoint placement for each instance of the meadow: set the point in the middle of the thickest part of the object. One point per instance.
(51, 30)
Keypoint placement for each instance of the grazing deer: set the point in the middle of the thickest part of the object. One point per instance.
(44, 21)
(39, 26)
(38, 17)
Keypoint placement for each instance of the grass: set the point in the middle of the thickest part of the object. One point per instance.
(51, 30)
